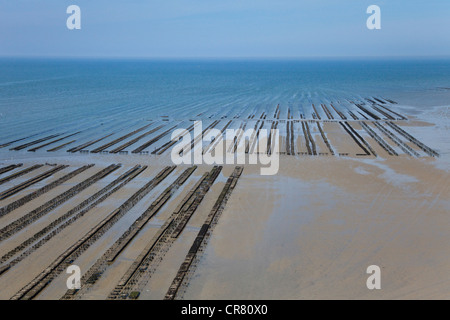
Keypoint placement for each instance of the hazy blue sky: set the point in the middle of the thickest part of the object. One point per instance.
(224, 28)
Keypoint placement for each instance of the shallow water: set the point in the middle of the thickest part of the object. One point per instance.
(40, 95)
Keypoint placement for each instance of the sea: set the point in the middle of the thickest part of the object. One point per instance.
(53, 95)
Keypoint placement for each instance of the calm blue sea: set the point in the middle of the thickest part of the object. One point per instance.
(40, 94)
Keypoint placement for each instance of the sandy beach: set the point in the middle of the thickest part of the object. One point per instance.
(308, 232)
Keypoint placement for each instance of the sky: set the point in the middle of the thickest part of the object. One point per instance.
(224, 28)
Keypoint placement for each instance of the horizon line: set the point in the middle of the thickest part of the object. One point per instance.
(223, 58)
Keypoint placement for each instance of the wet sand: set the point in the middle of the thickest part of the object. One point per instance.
(309, 232)
(304, 235)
